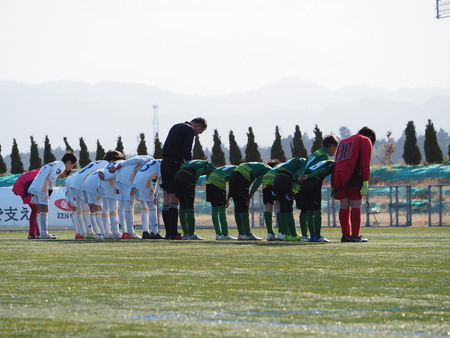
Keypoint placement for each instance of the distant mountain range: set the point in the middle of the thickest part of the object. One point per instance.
(109, 109)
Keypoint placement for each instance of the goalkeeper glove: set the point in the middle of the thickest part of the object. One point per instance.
(365, 188)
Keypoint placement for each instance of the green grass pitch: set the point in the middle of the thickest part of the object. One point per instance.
(396, 284)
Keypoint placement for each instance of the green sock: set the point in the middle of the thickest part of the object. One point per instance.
(317, 222)
(237, 217)
(246, 223)
(281, 229)
(215, 219)
(223, 220)
(304, 223)
(291, 223)
(268, 221)
(190, 220)
(182, 216)
(310, 217)
(285, 221)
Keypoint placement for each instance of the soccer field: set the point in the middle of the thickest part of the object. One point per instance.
(396, 284)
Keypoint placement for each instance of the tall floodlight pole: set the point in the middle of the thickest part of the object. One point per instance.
(442, 9)
(155, 121)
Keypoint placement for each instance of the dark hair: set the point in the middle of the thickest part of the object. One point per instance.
(113, 155)
(369, 133)
(330, 140)
(201, 121)
(273, 162)
(69, 156)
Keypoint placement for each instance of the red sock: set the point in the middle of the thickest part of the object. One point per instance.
(344, 219)
(356, 221)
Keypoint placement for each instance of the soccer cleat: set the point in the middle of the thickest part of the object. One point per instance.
(195, 237)
(47, 236)
(271, 237)
(108, 236)
(177, 237)
(304, 239)
(280, 236)
(33, 237)
(145, 235)
(99, 237)
(155, 236)
(313, 239)
(185, 237)
(322, 239)
(126, 236)
(242, 237)
(116, 236)
(358, 239)
(78, 236)
(229, 238)
(346, 239)
(135, 236)
(292, 238)
(220, 237)
(89, 236)
(252, 237)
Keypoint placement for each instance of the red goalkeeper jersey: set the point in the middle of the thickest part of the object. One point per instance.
(352, 164)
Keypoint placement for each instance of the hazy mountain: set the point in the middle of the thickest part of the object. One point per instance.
(109, 109)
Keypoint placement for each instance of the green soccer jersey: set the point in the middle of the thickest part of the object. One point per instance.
(201, 167)
(220, 176)
(293, 165)
(252, 170)
(319, 164)
(269, 177)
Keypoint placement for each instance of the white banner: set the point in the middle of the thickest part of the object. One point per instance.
(14, 213)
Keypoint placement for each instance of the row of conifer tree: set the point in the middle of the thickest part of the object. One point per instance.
(411, 152)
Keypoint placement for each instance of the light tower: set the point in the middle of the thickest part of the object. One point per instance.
(155, 121)
(442, 9)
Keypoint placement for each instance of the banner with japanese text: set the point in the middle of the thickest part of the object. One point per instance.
(14, 213)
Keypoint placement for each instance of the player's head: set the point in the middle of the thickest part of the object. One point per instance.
(113, 155)
(369, 133)
(330, 142)
(273, 162)
(69, 157)
(199, 124)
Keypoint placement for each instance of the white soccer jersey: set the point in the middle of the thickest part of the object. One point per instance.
(148, 173)
(92, 181)
(107, 186)
(80, 176)
(46, 178)
(69, 192)
(129, 169)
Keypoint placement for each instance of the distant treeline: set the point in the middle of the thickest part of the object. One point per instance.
(432, 147)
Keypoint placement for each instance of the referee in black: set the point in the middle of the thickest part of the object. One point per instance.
(176, 150)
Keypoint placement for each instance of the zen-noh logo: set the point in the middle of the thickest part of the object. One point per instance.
(63, 205)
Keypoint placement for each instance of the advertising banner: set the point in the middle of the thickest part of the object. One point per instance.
(14, 213)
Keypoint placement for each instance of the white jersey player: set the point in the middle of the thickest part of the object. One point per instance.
(42, 187)
(81, 203)
(91, 193)
(125, 194)
(107, 190)
(146, 184)
(70, 198)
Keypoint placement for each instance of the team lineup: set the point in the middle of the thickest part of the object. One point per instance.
(103, 193)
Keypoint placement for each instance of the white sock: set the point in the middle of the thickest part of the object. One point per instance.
(44, 223)
(99, 220)
(74, 218)
(145, 218)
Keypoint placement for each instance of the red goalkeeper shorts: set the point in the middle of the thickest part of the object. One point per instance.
(352, 193)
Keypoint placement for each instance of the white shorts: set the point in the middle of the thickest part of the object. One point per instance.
(125, 192)
(142, 195)
(70, 194)
(92, 198)
(41, 198)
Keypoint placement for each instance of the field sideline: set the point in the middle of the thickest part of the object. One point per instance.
(396, 284)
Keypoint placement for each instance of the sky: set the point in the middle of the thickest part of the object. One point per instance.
(211, 47)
